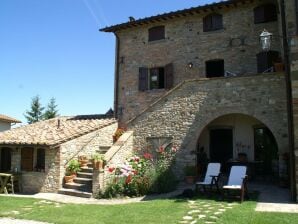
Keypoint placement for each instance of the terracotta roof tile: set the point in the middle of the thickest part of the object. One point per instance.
(171, 15)
(8, 119)
(55, 131)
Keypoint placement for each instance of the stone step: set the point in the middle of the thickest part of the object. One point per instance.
(77, 186)
(87, 170)
(74, 192)
(80, 180)
(85, 175)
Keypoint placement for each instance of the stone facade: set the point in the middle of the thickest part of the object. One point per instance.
(116, 155)
(85, 145)
(51, 178)
(38, 181)
(237, 44)
(187, 109)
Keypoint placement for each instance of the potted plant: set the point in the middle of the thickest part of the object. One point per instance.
(71, 170)
(98, 161)
(190, 174)
(83, 160)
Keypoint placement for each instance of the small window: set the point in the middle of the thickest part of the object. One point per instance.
(156, 78)
(156, 33)
(215, 68)
(27, 159)
(212, 22)
(40, 159)
(265, 13)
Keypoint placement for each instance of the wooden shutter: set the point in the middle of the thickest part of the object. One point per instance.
(143, 79)
(157, 33)
(270, 13)
(27, 159)
(217, 22)
(207, 23)
(169, 76)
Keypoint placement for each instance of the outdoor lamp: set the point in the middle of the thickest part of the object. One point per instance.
(265, 40)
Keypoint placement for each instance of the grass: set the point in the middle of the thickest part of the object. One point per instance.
(157, 211)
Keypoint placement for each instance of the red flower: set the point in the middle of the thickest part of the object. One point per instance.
(128, 179)
(148, 156)
(111, 169)
(161, 149)
(135, 172)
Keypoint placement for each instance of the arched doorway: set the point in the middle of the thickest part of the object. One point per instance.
(240, 139)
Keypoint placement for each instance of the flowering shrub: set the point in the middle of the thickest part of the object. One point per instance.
(141, 175)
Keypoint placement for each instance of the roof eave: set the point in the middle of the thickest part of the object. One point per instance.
(171, 15)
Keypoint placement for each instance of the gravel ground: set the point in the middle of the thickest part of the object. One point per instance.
(19, 221)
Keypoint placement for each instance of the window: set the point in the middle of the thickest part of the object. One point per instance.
(215, 68)
(156, 33)
(212, 22)
(156, 78)
(265, 13)
(27, 159)
(265, 61)
(40, 159)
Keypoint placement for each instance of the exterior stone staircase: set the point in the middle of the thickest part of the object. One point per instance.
(82, 184)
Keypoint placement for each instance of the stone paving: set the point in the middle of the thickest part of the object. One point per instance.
(205, 212)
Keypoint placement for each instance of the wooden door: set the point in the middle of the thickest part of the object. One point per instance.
(5, 159)
(27, 159)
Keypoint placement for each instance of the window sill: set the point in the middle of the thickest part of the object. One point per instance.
(214, 31)
(157, 41)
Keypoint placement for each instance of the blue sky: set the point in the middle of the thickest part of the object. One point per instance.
(52, 48)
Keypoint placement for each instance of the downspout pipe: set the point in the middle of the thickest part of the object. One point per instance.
(116, 80)
(296, 13)
(289, 100)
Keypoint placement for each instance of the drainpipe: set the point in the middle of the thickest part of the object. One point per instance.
(296, 12)
(116, 80)
(289, 100)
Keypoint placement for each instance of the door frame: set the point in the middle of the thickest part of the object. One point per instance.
(227, 127)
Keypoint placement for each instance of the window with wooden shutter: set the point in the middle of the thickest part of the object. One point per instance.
(143, 79)
(156, 33)
(212, 22)
(265, 13)
(40, 159)
(169, 76)
(27, 159)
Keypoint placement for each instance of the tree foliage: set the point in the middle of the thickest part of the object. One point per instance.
(51, 110)
(36, 113)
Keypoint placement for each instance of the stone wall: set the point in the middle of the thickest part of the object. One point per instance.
(184, 112)
(117, 154)
(237, 44)
(85, 145)
(44, 181)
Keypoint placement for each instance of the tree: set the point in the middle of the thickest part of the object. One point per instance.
(35, 114)
(51, 110)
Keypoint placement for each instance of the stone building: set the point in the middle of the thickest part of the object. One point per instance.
(6, 122)
(198, 77)
(42, 150)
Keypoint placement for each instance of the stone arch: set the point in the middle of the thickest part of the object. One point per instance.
(278, 130)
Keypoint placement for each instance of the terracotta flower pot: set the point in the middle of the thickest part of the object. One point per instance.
(83, 163)
(69, 179)
(279, 67)
(98, 165)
